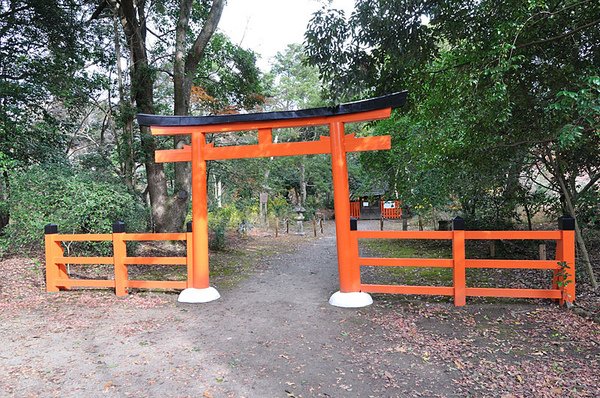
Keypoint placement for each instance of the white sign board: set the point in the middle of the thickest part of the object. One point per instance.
(365, 204)
(389, 205)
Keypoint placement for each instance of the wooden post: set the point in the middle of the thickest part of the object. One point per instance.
(189, 250)
(276, 227)
(381, 224)
(542, 249)
(348, 271)
(119, 254)
(199, 212)
(52, 251)
(314, 222)
(567, 255)
(287, 225)
(492, 248)
(321, 224)
(404, 224)
(458, 255)
(420, 223)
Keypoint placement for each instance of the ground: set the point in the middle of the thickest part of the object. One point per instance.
(272, 334)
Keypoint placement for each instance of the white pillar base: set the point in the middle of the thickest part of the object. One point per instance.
(351, 299)
(193, 295)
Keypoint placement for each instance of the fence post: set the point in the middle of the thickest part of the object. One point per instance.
(565, 252)
(321, 224)
(119, 254)
(492, 248)
(354, 249)
(276, 227)
(458, 255)
(52, 251)
(381, 224)
(189, 250)
(314, 222)
(542, 249)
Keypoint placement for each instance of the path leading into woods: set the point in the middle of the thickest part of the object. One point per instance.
(274, 335)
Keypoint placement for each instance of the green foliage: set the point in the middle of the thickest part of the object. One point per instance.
(75, 201)
(219, 221)
(296, 85)
(562, 274)
(43, 49)
(278, 206)
(501, 94)
(228, 79)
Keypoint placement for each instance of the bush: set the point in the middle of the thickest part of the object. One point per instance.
(219, 220)
(278, 206)
(73, 200)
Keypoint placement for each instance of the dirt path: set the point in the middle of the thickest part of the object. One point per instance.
(274, 335)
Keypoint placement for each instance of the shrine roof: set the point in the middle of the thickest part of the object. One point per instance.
(394, 100)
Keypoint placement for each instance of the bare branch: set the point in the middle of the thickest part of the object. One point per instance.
(197, 50)
(593, 180)
(566, 34)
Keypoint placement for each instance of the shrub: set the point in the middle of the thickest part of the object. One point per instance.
(278, 206)
(74, 200)
(219, 220)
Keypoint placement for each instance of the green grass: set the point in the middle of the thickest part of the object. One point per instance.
(391, 248)
(410, 249)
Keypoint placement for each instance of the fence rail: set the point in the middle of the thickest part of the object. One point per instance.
(562, 284)
(57, 277)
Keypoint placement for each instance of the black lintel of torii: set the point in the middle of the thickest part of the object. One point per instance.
(393, 101)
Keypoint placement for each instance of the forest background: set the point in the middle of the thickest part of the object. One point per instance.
(502, 126)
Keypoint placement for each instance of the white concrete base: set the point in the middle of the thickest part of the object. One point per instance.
(350, 300)
(192, 295)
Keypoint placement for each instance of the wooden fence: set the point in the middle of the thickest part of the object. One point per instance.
(562, 284)
(563, 266)
(355, 209)
(390, 213)
(57, 277)
(387, 213)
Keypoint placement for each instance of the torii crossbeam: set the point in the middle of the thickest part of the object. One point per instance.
(337, 144)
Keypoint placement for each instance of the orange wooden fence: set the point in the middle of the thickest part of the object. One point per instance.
(392, 213)
(563, 282)
(57, 277)
(355, 209)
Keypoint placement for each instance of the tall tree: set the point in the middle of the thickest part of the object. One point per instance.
(43, 85)
(184, 29)
(296, 85)
(489, 83)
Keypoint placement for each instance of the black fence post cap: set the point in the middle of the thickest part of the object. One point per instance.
(189, 226)
(118, 227)
(353, 224)
(458, 224)
(566, 223)
(50, 229)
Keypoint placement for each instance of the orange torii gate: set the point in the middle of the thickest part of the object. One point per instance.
(337, 144)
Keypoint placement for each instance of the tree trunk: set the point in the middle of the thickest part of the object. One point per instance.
(218, 190)
(302, 182)
(579, 237)
(528, 213)
(168, 213)
(126, 150)
(554, 164)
